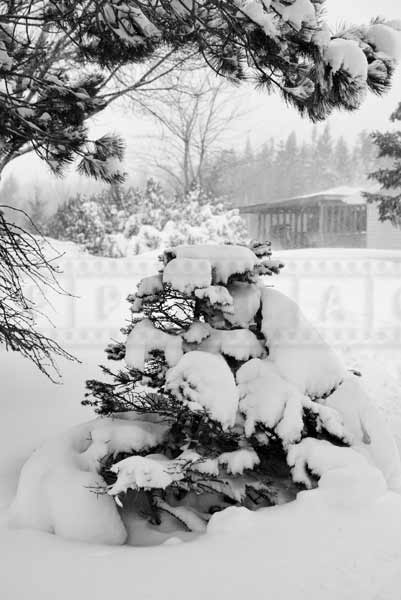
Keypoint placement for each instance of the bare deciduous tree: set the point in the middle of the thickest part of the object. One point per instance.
(193, 110)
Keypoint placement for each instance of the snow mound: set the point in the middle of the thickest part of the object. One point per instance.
(366, 429)
(345, 477)
(187, 274)
(60, 489)
(234, 519)
(204, 382)
(225, 260)
(297, 349)
(145, 338)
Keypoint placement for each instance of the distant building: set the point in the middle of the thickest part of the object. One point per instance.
(339, 217)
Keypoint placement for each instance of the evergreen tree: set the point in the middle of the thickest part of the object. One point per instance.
(305, 158)
(287, 168)
(199, 327)
(365, 156)
(323, 174)
(389, 199)
(344, 167)
(81, 221)
(56, 60)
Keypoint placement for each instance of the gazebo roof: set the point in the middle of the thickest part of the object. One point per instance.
(339, 195)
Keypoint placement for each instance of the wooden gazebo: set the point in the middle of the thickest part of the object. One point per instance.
(334, 218)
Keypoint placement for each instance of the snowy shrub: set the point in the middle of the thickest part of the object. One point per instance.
(195, 218)
(82, 221)
(242, 380)
(126, 221)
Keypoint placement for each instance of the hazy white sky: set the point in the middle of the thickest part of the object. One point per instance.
(268, 116)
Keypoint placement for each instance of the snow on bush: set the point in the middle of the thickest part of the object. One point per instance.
(366, 428)
(297, 348)
(246, 300)
(137, 472)
(240, 344)
(204, 381)
(345, 476)
(144, 338)
(187, 274)
(126, 221)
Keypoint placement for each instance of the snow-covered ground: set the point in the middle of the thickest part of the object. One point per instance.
(309, 549)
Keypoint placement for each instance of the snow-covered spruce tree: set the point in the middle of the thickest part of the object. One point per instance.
(389, 198)
(235, 373)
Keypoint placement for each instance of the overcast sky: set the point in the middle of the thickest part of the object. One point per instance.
(268, 116)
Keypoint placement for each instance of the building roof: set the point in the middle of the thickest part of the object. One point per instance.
(338, 195)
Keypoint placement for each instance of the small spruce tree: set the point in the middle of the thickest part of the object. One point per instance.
(199, 358)
(389, 177)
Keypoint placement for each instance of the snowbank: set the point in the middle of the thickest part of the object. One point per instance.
(60, 489)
